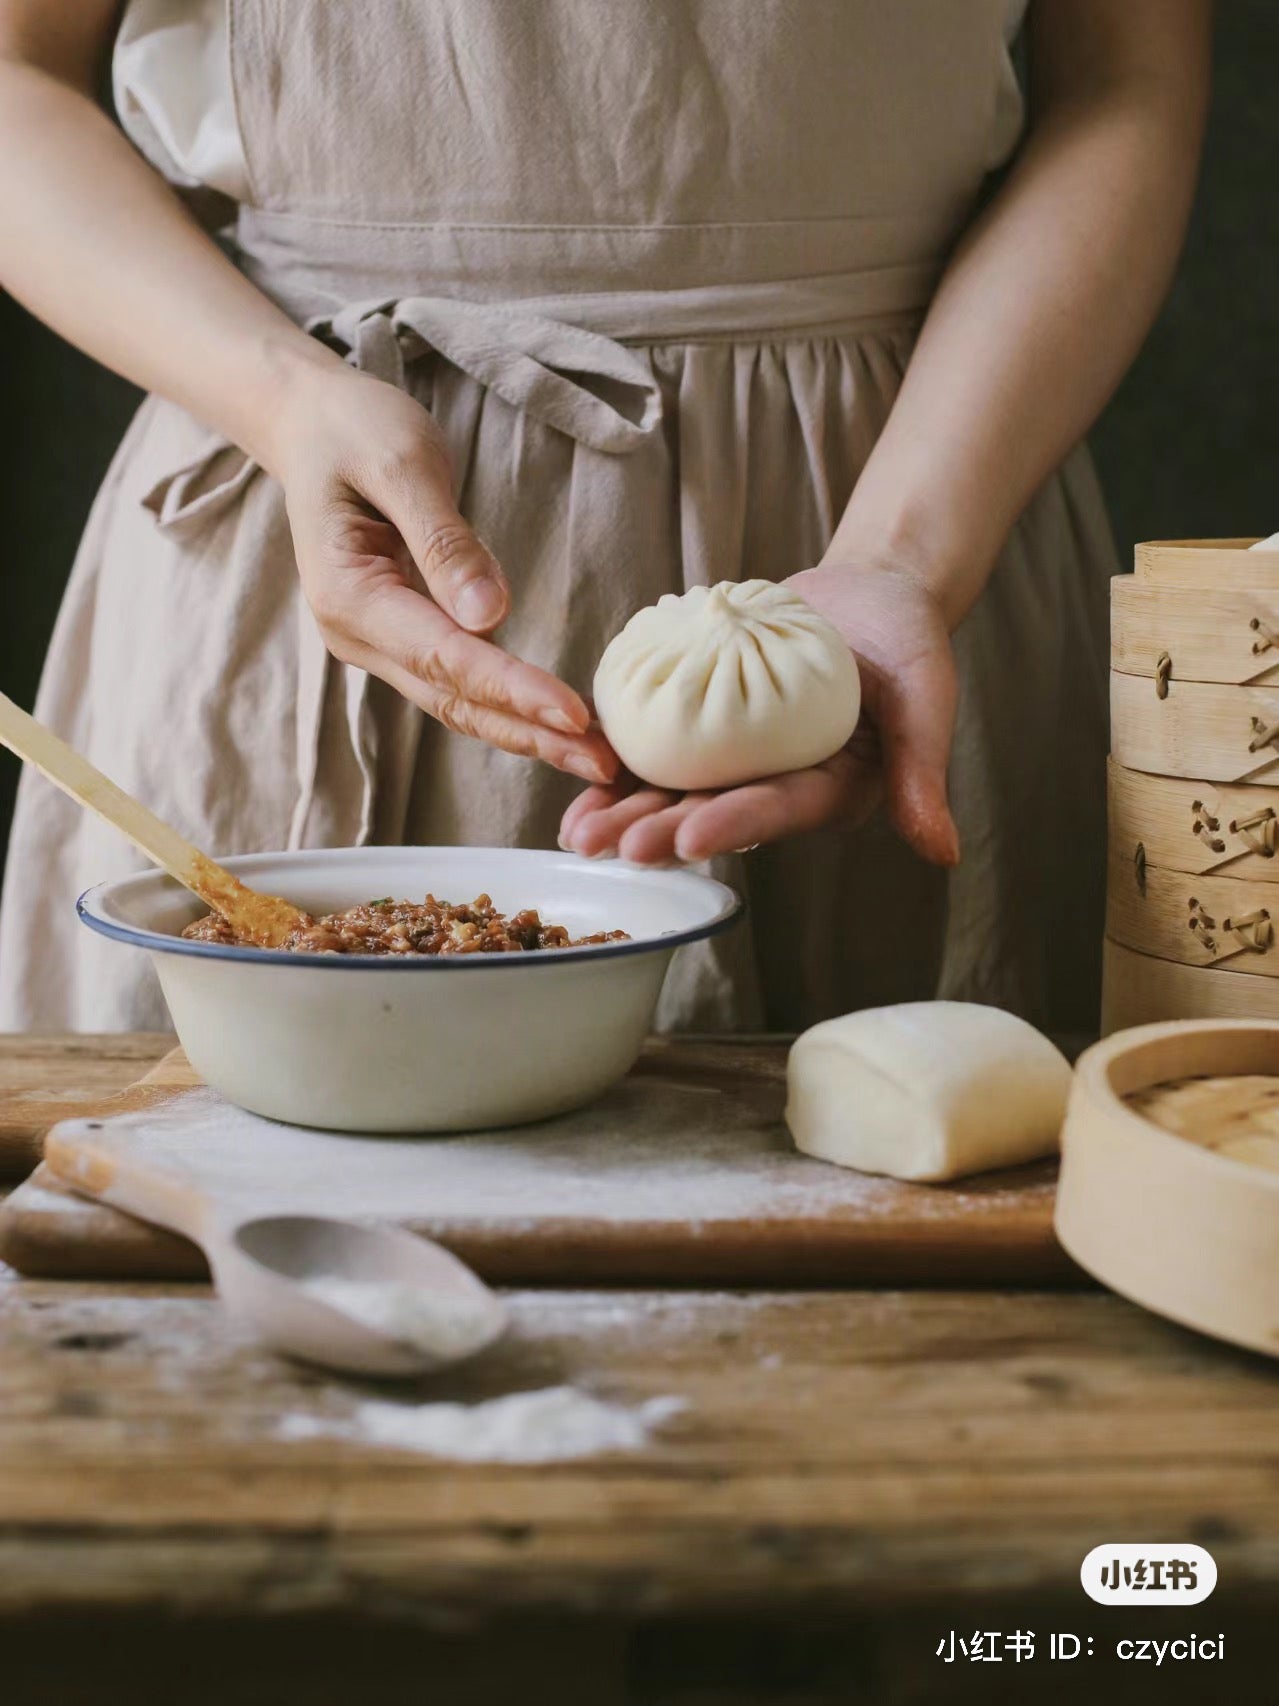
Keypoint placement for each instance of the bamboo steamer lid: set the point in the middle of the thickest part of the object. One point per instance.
(1206, 563)
(1140, 989)
(1169, 1189)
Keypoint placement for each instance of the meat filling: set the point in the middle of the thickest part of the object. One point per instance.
(411, 927)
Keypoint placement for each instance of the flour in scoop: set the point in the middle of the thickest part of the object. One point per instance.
(442, 1323)
(546, 1426)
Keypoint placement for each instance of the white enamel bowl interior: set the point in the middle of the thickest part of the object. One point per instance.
(419, 1044)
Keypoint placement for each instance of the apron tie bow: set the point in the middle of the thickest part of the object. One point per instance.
(577, 381)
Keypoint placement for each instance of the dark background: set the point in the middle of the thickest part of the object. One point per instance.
(1188, 448)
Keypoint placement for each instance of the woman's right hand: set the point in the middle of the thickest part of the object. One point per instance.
(399, 583)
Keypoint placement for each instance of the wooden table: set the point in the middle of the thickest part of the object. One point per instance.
(856, 1474)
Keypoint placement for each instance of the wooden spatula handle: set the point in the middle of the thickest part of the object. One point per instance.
(259, 918)
(67, 770)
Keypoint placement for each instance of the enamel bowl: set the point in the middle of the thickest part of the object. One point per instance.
(359, 1043)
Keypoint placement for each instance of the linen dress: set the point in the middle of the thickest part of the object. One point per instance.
(656, 267)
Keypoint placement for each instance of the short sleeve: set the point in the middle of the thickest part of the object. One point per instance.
(171, 75)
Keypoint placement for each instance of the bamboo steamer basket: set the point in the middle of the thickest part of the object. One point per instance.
(1223, 922)
(1169, 1188)
(1208, 633)
(1198, 729)
(1193, 785)
(1194, 685)
(1139, 989)
(1206, 828)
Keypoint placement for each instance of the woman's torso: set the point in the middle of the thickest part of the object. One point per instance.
(756, 195)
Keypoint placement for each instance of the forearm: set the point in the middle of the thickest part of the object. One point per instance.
(100, 248)
(1040, 312)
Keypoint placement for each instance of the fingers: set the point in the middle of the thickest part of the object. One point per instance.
(420, 638)
(412, 486)
(916, 719)
(593, 800)
(601, 819)
(650, 827)
(397, 624)
(587, 756)
(471, 685)
(641, 826)
(766, 811)
(652, 839)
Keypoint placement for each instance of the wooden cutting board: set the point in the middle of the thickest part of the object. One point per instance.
(683, 1174)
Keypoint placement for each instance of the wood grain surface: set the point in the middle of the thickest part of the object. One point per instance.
(44, 1079)
(685, 1175)
(834, 1446)
(855, 1473)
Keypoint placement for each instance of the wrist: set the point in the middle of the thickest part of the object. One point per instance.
(295, 375)
(912, 548)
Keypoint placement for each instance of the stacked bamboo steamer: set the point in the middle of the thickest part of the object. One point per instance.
(1192, 917)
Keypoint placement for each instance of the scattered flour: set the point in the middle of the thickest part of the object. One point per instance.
(554, 1423)
(444, 1323)
(650, 1153)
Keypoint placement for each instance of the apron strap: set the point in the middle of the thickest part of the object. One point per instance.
(540, 366)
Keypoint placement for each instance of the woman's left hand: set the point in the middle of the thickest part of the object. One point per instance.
(899, 754)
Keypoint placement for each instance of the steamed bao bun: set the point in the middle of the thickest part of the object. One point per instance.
(725, 685)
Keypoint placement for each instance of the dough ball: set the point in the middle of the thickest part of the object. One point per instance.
(725, 685)
(927, 1090)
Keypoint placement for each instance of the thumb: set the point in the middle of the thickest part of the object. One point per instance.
(461, 573)
(916, 719)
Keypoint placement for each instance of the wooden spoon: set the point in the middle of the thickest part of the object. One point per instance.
(262, 919)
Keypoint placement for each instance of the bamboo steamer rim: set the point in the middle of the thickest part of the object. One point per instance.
(1244, 544)
(1140, 989)
(1203, 562)
(1094, 1075)
(1150, 1212)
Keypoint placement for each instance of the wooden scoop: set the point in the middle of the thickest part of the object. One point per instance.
(262, 919)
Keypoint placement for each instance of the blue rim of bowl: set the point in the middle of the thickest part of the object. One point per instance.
(155, 942)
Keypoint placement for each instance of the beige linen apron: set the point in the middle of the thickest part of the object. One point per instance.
(655, 266)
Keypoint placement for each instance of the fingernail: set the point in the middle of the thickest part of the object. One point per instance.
(551, 718)
(586, 768)
(607, 853)
(564, 846)
(480, 603)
